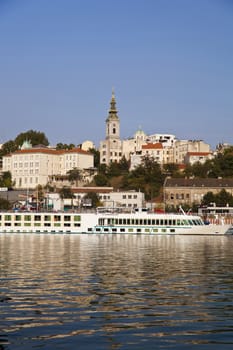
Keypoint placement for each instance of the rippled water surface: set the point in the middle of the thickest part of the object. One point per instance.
(116, 292)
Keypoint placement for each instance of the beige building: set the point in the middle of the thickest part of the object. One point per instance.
(34, 166)
(180, 191)
(182, 147)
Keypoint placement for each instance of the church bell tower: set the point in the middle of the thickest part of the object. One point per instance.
(112, 121)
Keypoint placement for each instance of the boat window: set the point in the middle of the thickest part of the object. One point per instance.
(164, 230)
(128, 221)
(67, 218)
(147, 230)
(7, 224)
(165, 222)
(145, 222)
(27, 218)
(114, 230)
(7, 217)
(122, 230)
(149, 221)
(124, 221)
(120, 221)
(140, 222)
(77, 225)
(98, 229)
(185, 222)
(37, 218)
(178, 222)
(37, 224)
(138, 230)
(136, 221)
(116, 221)
(157, 221)
(190, 222)
(106, 230)
(47, 218)
(47, 224)
(27, 224)
(172, 230)
(132, 221)
(18, 217)
(161, 222)
(130, 230)
(169, 222)
(17, 224)
(77, 218)
(155, 230)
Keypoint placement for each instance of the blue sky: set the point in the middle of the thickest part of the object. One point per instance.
(169, 61)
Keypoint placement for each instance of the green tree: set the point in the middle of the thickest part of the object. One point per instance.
(5, 204)
(223, 198)
(208, 198)
(74, 176)
(6, 180)
(171, 169)
(146, 177)
(91, 198)
(35, 137)
(101, 180)
(8, 147)
(64, 146)
(96, 154)
(65, 193)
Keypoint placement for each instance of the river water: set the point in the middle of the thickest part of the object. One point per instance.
(116, 292)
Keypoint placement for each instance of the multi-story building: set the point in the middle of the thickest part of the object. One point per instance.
(180, 191)
(31, 167)
(182, 147)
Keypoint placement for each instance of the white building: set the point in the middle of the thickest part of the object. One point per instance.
(197, 157)
(109, 198)
(125, 199)
(33, 166)
(167, 140)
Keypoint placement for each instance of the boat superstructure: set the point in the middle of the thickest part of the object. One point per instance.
(107, 222)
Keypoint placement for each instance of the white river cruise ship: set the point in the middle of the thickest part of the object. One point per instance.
(111, 221)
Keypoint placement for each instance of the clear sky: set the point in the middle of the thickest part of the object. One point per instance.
(170, 63)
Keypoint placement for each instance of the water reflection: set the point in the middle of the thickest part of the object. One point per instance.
(115, 292)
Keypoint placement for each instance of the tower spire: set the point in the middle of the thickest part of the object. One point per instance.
(112, 113)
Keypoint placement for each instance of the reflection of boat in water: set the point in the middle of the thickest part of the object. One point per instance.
(108, 221)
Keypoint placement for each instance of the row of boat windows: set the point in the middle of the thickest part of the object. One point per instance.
(131, 230)
(55, 218)
(150, 222)
(38, 224)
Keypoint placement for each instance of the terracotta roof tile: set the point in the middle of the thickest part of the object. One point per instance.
(153, 146)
